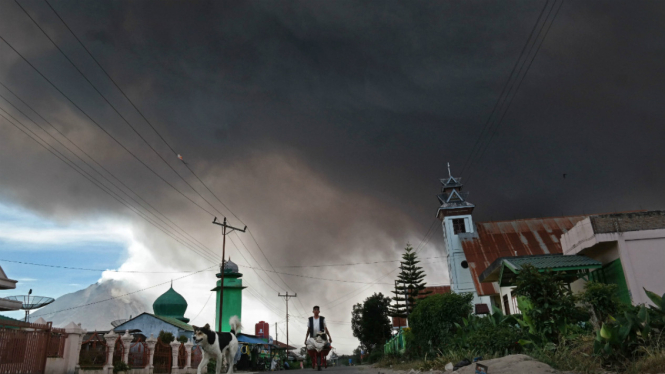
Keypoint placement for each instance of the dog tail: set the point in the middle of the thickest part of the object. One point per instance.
(235, 325)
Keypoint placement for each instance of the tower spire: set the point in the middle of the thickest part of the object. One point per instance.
(450, 175)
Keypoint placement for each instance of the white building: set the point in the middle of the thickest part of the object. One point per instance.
(455, 216)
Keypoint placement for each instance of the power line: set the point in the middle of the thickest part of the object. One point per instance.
(508, 99)
(112, 106)
(86, 175)
(149, 123)
(102, 128)
(173, 224)
(350, 264)
(138, 110)
(496, 128)
(204, 306)
(499, 99)
(97, 270)
(127, 294)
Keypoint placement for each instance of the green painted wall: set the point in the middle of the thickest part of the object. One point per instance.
(612, 273)
(232, 301)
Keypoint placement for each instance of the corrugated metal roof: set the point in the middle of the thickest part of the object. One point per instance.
(552, 261)
(523, 237)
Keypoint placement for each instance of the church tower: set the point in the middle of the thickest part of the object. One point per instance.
(455, 216)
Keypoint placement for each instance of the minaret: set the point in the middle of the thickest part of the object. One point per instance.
(232, 296)
(455, 216)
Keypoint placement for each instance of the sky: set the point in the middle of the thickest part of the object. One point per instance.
(322, 126)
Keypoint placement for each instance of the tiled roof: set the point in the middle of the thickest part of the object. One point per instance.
(556, 262)
(492, 240)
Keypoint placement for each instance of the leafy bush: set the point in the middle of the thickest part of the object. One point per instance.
(165, 337)
(433, 320)
(551, 305)
(602, 300)
(496, 333)
(628, 335)
(120, 366)
(376, 355)
(182, 339)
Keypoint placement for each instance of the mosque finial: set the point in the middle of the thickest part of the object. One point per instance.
(449, 173)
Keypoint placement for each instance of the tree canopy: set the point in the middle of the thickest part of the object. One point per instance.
(370, 322)
(409, 285)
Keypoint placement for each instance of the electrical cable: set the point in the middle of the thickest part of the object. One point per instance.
(204, 306)
(97, 270)
(112, 106)
(103, 129)
(499, 99)
(201, 245)
(120, 296)
(86, 175)
(496, 128)
(350, 264)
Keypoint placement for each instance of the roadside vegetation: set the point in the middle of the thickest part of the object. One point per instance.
(591, 332)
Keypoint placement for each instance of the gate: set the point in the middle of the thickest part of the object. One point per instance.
(197, 356)
(118, 351)
(163, 358)
(23, 347)
(93, 352)
(182, 356)
(138, 354)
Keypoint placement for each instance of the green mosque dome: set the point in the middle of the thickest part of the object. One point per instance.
(171, 304)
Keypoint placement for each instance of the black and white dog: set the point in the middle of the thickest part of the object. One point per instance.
(222, 346)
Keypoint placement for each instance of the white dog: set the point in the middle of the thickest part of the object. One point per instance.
(221, 346)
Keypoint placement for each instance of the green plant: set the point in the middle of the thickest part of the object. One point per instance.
(182, 339)
(602, 300)
(630, 334)
(551, 304)
(120, 366)
(433, 320)
(370, 323)
(409, 285)
(165, 337)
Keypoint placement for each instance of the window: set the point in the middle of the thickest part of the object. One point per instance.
(458, 226)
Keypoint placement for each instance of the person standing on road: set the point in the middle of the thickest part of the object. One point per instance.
(316, 324)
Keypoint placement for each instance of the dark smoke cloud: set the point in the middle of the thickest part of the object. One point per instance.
(326, 125)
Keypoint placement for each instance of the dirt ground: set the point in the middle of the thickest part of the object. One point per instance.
(513, 364)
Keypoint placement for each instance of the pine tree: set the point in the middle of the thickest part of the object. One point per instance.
(409, 285)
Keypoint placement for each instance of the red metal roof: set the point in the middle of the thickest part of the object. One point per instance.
(534, 236)
(434, 290)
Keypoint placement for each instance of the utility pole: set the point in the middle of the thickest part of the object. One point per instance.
(276, 332)
(286, 298)
(224, 233)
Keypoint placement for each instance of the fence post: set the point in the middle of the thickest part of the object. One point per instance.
(175, 347)
(110, 347)
(188, 348)
(126, 342)
(151, 342)
(72, 350)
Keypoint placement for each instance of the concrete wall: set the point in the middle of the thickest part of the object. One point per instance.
(151, 325)
(642, 252)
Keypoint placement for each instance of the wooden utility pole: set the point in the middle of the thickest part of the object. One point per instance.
(286, 298)
(224, 233)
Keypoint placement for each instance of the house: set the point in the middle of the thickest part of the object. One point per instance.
(630, 246)
(7, 305)
(169, 316)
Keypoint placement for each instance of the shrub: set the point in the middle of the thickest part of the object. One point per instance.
(433, 320)
(120, 366)
(165, 337)
(182, 339)
(494, 339)
(602, 299)
(551, 303)
(376, 355)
